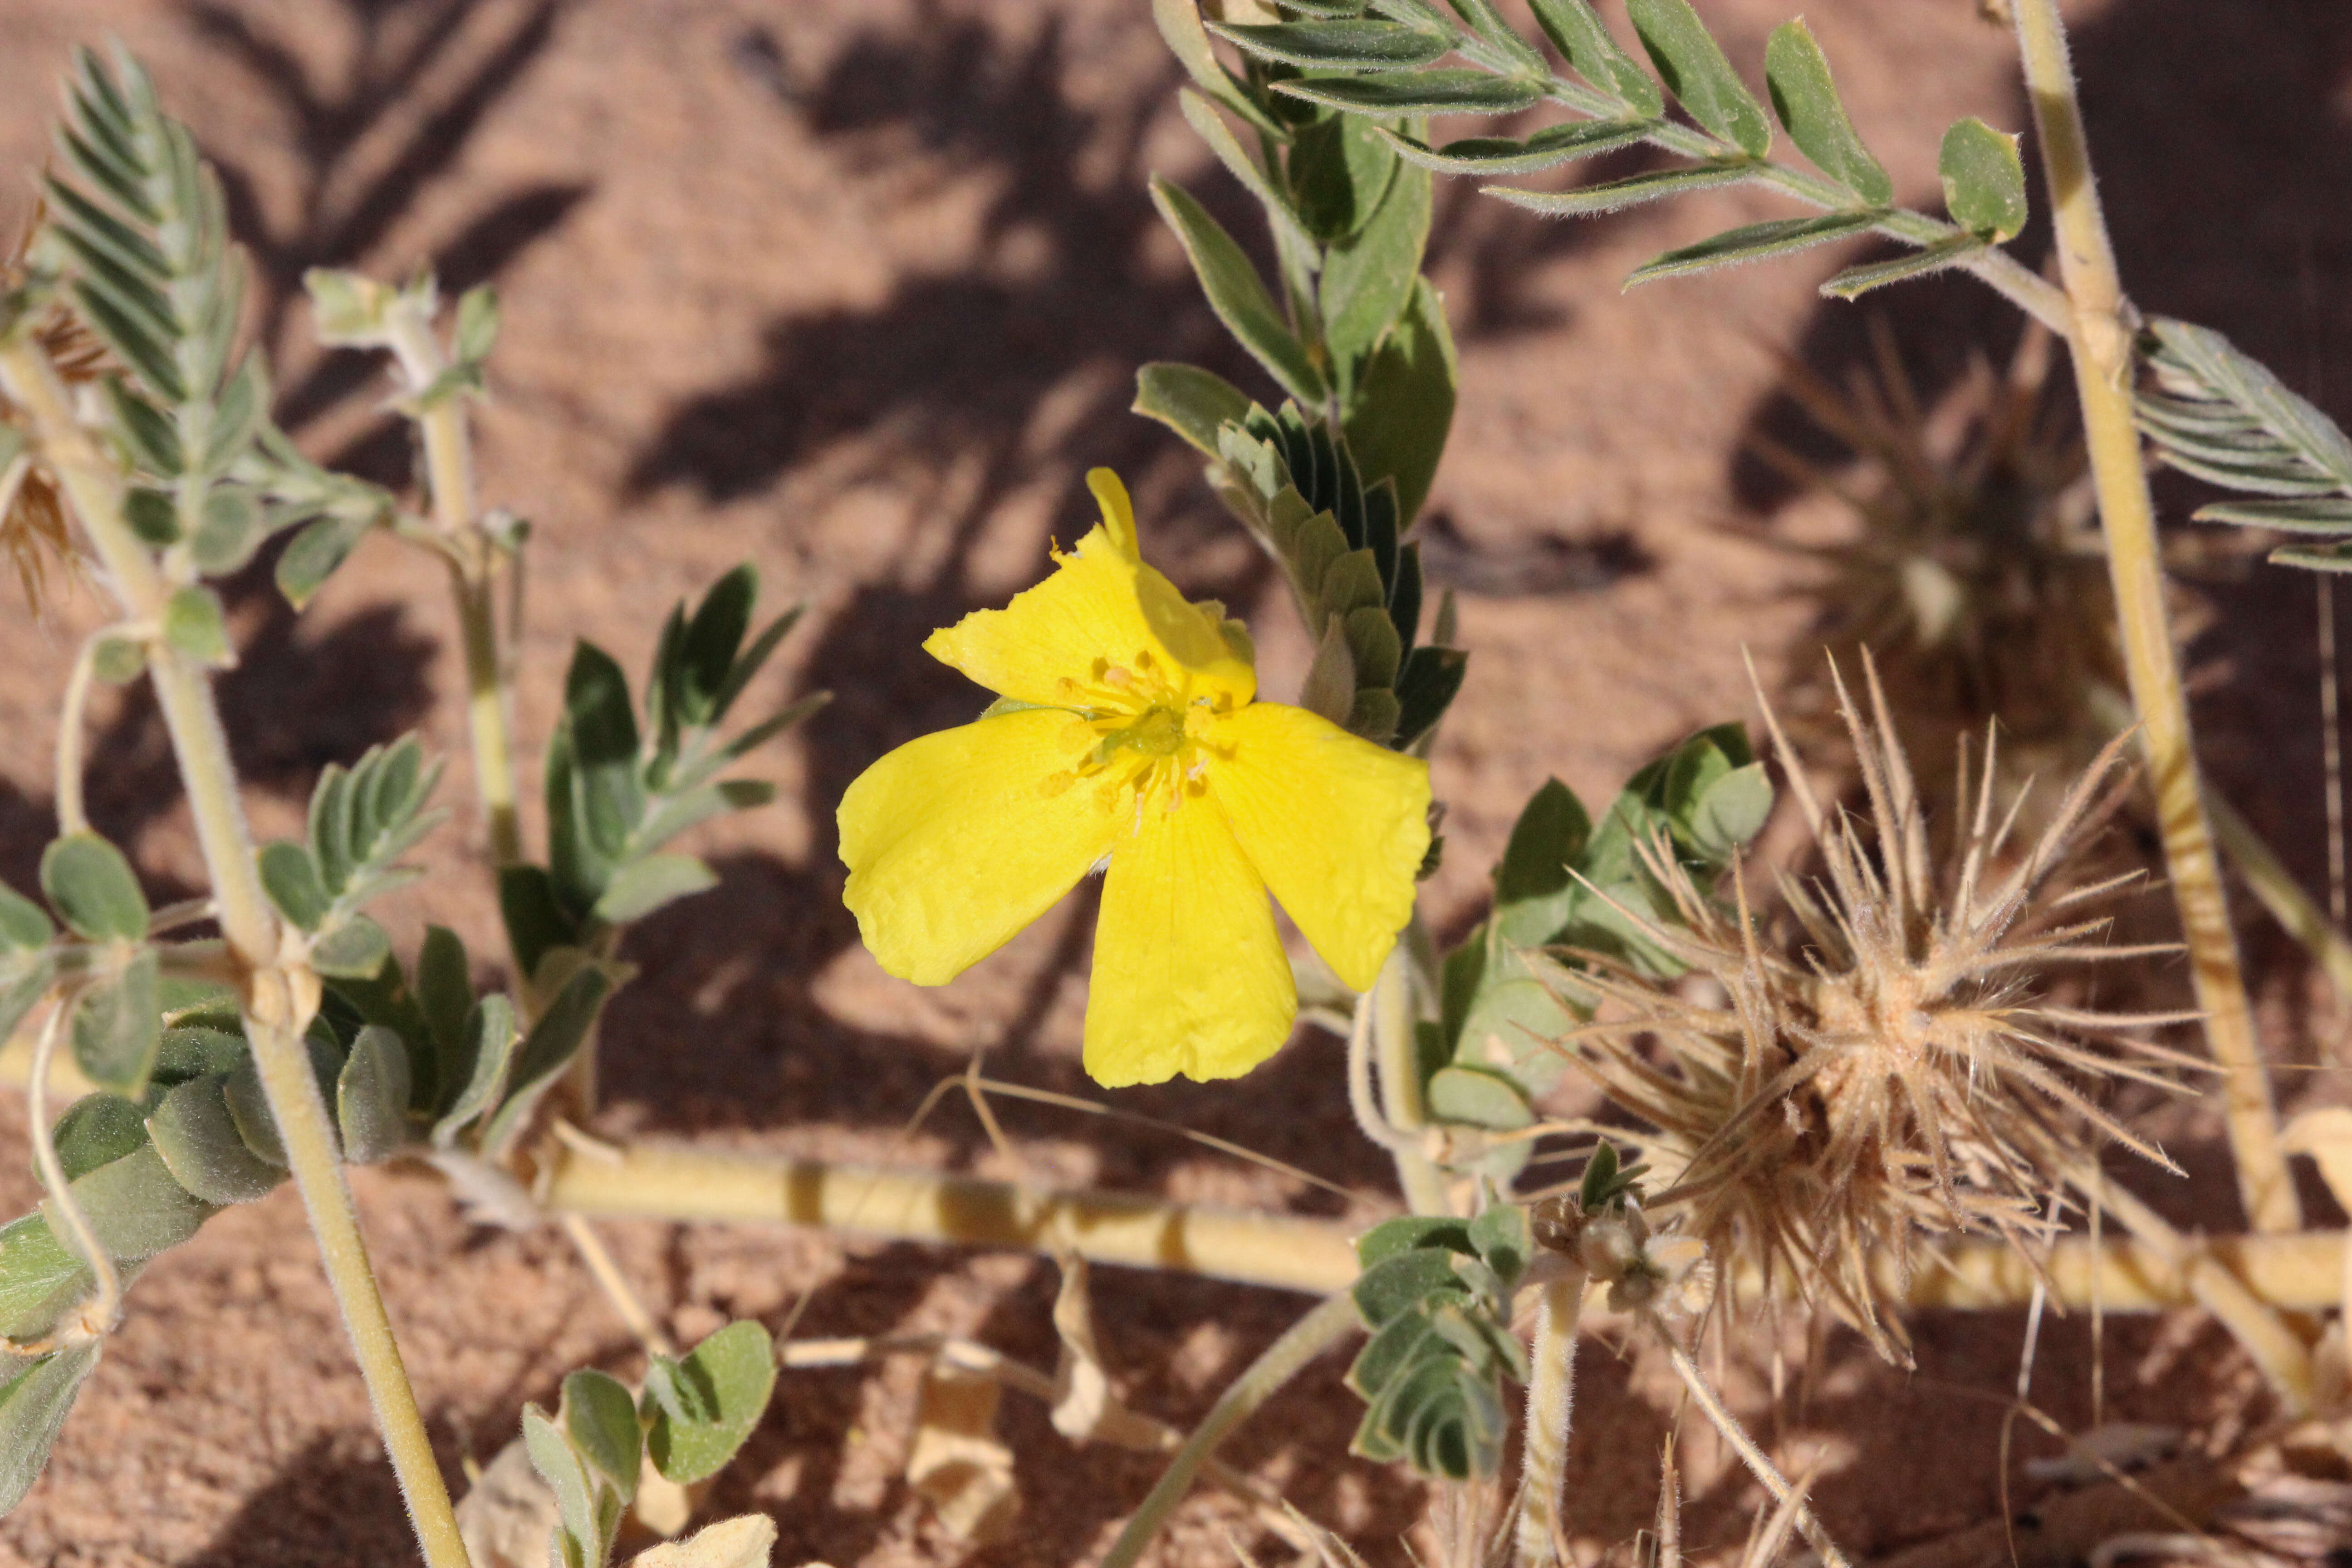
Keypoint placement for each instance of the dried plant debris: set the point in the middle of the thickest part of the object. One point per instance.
(1976, 572)
(36, 546)
(1892, 1059)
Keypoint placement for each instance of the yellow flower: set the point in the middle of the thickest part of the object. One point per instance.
(1129, 736)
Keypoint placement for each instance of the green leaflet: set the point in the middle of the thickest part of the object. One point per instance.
(1194, 403)
(1984, 180)
(1584, 201)
(1356, 45)
(1692, 65)
(1546, 149)
(1806, 100)
(1443, 91)
(1856, 281)
(1237, 294)
(1403, 407)
(1577, 33)
(1756, 242)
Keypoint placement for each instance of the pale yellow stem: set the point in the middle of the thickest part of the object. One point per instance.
(1551, 1401)
(274, 1013)
(2100, 338)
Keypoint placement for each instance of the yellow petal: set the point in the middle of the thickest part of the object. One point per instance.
(1102, 610)
(1337, 825)
(956, 841)
(1189, 977)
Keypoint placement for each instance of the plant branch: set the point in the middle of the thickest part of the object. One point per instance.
(279, 993)
(97, 1314)
(2099, 335)
(1396, 1049)
(2294, 1273)
(1332, 1319)
(1757, 1462)
(1551, 1398)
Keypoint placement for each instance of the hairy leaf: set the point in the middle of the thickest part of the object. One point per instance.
(1441, 92)
(1577, 33)
(1545, 149)
(1692, 65)
(1756, 242)
(1237, 294)
(1984, 180)
(1806, 100)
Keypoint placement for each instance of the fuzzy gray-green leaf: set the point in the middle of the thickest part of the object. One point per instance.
(1797, 76)
(1585, 201)
(1403, 409)
(33, 1409)
(600, 1417)
(1237, 294)
(93, 888)
(1545, 149)
(1755, 242)
(204, 1150)
(371, 1096)
(322, 546)
(1440, 91)
(1984, 180)
(119, 1027)
(1856, 281)
(704, 1405)
(1194, 403)
(354, 950)
(646, 884)
(1367, 282)
(1355, 44)
(1692, 65)
(1577, 33)
(196, 627)
(137, 1206)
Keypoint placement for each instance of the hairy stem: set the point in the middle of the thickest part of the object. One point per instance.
(274, 1014)
(1396, 1050)
(2099, 335)
(1551, 1400)
(1332, 1319)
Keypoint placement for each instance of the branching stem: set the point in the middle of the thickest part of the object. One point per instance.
(1396, 1048)
(2099, 327)
(279, 992)
(1757, 1462)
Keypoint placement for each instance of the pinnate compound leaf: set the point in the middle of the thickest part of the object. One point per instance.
(33, 1408)
(1755, 242)
(1856, 281)
(92, 888)
(202, 1147)
(371, 1096)
(1237, 294)
(1577, 33)
(1355, 44)
(1194, 403)
(704, 1405)
(1984, 180)
(1586, 201)
(1545, 149)
(2219, 414)
(1806, 100)
(119, 1027)
(1395, 92)
(1692, 65)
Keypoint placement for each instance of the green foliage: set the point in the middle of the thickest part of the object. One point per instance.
(617, 791)
(700, 1408)
(363, 820)
(1237, 294)
(1984, 180)
(1436, 1294)
(1568, 886)
(2217, 413)
(92, 888)
(1593, 54)
(1755, 242)
(1693, 67)
(137, 233)
(1805, 99)
(34, 1403)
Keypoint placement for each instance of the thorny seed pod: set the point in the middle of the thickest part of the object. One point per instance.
(1892, 1064)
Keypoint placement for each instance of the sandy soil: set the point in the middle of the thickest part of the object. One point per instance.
(856, 291)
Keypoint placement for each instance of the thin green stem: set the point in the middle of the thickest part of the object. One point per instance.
(1551, 1401)
(1332, 1319)
(72, 818)
(2099, 336)
(279, 990)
